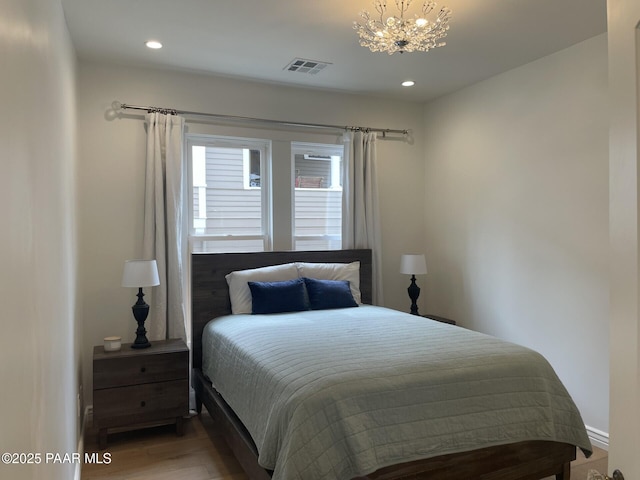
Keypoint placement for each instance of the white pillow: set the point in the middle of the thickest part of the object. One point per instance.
(239, 291)
(334, 271)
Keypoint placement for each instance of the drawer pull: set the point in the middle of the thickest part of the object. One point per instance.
(143, 369)
(143, 403)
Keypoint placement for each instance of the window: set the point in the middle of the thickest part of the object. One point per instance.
(318, 196)
(233, 209)
(227, 209)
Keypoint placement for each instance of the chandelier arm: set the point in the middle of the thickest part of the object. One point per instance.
(444, 14)
(427, 7)
(381, 7)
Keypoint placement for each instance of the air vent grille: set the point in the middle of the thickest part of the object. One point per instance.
(302, 65)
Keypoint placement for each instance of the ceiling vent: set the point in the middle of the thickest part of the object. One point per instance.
(303, 65)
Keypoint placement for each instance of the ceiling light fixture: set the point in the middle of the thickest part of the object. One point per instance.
(153, 44)
(400, 34)
(408, 83)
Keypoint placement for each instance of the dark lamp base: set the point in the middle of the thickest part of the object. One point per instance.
(140, 312)
(414, 293)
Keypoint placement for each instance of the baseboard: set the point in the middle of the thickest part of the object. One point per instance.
(77, 475)
(598, 438)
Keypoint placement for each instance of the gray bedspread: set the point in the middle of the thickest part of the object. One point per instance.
(336, 394)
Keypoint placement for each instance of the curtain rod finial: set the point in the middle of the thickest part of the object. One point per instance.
(116, 105)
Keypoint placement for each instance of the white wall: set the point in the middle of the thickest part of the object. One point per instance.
(111, 170)
(39, 353)
(517, 213)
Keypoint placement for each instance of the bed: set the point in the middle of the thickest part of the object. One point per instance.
(527, 458)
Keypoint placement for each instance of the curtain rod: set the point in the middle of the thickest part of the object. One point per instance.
(171, 111)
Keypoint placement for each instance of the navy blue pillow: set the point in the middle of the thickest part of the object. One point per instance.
(325, 294)
(278, 297)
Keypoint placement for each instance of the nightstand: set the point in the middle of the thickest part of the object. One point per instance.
(440, 319)
(136, 388)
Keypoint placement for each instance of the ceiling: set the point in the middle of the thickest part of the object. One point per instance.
(257, 39)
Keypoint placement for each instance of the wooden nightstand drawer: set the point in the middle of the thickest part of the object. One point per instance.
(117, 372)
(116, 407)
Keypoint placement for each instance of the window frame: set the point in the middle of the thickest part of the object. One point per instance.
(224, 141)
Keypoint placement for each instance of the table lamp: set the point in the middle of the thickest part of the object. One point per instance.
(413, 265)
(140, 273)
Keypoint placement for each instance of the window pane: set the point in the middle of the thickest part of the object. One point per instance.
(231, 208)
(254, 168)
(227, 196)
(318, 197)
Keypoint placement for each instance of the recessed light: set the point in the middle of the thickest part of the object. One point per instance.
(153, 44)
(408, 83)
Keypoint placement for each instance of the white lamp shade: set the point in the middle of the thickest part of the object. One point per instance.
(140, 273)
(413, 265)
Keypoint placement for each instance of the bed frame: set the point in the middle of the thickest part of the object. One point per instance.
(531, 460)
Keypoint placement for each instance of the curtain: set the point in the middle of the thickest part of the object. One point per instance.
(360, 210)
(163, 224)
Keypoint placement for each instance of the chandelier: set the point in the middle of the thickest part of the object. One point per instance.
(400, 34)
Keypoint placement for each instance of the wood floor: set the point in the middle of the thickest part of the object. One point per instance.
(158, 454)
(201, 454)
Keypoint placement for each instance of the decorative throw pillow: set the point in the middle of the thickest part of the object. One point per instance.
(326, 294)
(278, 297)
(334, 271)
(239, 292)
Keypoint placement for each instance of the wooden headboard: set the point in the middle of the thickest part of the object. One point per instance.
(210, 292)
